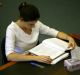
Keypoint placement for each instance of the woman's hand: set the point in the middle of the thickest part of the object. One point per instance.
(72, 43)
(44, 59)
(64, 36)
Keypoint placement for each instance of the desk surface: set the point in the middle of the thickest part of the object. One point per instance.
(24, 68)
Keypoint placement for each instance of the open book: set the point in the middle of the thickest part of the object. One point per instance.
(53, 47)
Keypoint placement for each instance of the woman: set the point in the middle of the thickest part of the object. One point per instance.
(22, 35)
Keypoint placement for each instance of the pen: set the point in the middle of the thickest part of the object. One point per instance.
(38, 65)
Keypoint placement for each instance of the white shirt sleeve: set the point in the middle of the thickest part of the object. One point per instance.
(44, 29)
(10, 41)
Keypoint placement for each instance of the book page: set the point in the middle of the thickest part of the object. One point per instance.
(49, 48)
(60, 58)
(57, 43)
(46, 50)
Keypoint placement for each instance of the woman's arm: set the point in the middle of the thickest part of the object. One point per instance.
(21, 57)
(55, 33)
(65, 36)
(44, 29)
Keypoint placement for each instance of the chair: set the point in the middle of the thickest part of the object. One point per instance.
(5, 62)
(4, 59)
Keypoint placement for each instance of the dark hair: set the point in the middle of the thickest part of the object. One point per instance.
(28, 12)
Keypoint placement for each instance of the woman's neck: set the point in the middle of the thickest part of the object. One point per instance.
(23, 27)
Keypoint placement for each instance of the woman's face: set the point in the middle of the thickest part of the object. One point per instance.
(29, 24)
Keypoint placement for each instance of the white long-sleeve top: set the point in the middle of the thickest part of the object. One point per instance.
(19, 41)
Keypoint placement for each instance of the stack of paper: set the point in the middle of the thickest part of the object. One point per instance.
(75, 54)
(73, 64)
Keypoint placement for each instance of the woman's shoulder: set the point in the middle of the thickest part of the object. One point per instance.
(11, 25)
(39, 23)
